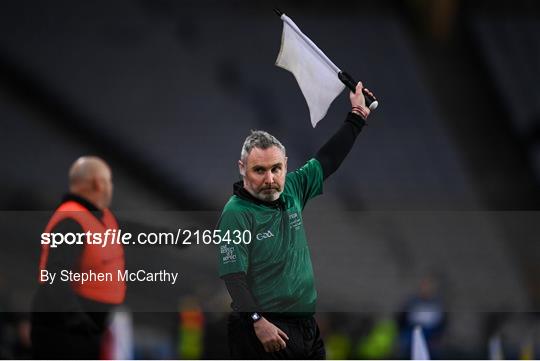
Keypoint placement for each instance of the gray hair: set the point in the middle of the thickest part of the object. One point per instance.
(259, 139)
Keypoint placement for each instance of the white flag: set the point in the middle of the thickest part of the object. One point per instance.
(419, 346)
(495, 349)
(121, 332)
(315, 73)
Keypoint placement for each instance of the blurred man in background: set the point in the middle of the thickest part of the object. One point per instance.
(69, 318)
(270, 277)
(424, 309)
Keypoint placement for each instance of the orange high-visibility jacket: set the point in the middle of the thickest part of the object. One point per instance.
(94, 257)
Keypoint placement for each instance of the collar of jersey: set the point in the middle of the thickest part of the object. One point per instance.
(83, 202)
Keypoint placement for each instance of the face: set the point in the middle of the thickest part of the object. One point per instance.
(106, 187)
(264, 173)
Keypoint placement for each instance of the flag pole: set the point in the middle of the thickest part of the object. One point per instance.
(345, 78)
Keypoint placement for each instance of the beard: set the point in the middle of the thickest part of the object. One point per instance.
(269, 194)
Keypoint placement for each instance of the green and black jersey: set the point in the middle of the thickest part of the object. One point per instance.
(276, 261)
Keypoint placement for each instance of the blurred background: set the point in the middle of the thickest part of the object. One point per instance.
(431, 220)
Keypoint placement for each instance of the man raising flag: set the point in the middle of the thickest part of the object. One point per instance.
(270, 279)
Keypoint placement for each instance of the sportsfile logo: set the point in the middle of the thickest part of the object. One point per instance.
(264, 235)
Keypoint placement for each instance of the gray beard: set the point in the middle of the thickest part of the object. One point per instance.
(268, 197)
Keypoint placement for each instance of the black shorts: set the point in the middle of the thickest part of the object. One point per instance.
(304, 342)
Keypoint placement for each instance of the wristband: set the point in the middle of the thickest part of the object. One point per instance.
(363, 112)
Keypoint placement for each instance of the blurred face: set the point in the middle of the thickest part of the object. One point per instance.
(427, 288)
(264, 173)
(105, 187)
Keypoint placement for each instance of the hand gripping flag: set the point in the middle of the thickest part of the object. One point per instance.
(320, 80)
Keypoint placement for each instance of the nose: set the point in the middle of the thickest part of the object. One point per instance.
(268, 178)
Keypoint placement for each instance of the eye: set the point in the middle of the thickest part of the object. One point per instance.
(276, 169)
(259, 171)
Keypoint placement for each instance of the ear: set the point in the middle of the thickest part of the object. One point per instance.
(97, 184)
(285, 164)
(241, 168)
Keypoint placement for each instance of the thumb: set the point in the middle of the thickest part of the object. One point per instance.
(282, 334)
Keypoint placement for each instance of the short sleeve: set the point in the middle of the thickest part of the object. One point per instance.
(233, 258)
(307, 181)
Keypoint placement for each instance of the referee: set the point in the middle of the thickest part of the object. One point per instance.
(270, 279)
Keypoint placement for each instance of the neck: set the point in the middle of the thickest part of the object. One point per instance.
(90, 197)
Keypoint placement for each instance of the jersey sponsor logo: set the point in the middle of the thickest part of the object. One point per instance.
(228, 254)
(295, 221)
(264, 235)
